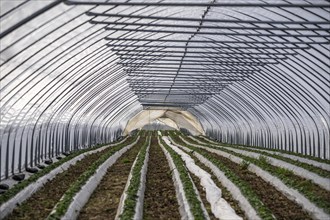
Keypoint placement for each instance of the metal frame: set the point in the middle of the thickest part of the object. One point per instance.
(210, 26)
(197, 4)
(216, 33)
(236, 21)
(83, 75)
(217, 41)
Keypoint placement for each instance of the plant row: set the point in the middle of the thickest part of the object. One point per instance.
(105, 196)
(220, 208)
(321, 172)
(229, 191)
(137, 175)
(191, 195)
(65, 201)
(317, 195)
(244, 186)
(37, 198)
(43, 199)
(10, 193)
(326, 161)
(160, 201)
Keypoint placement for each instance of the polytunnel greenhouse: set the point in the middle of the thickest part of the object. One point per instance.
(165, 109)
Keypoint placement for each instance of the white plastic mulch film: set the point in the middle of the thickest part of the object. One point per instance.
(73, 72)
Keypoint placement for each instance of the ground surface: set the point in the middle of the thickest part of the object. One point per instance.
(43, 201)
(160, 197)
(104, 201)
(280, 206)
(160, 200)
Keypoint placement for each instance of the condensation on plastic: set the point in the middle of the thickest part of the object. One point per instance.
(28, 191)
(290, 193)
(82, 197)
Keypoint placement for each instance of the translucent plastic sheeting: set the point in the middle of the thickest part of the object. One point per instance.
(74, 72)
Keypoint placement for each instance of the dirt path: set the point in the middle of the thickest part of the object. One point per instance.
(160, 200)
(104, 201)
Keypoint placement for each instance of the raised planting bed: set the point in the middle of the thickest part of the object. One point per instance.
(314, 187)
(314, 163)
(225, 193)
(104, 201)
(79, 192)
(320, 181)
(41, 203)
(160, 200)
(325, 161)
(202, 195)
(321, 169)
(315, 194)
(265, 198)
(220, 208)
(24, 189)
(131, 204)
(191, 206)
(230, 192)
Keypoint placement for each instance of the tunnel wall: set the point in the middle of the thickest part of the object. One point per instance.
(284, 107)
(62, 87)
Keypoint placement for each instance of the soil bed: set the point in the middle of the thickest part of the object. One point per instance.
(316, 194)
(319, 171)
(280, 206)
(226, 195)
(208, 141)
(22, 185)
(160, 200)
(40, 204)
(104, 201)
(202, 195)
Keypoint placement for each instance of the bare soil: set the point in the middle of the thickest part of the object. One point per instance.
(225, 193)
(202, 194)
(280, 205)
(104, 201)
(321, 197)
(40, 204)
(160, 200)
